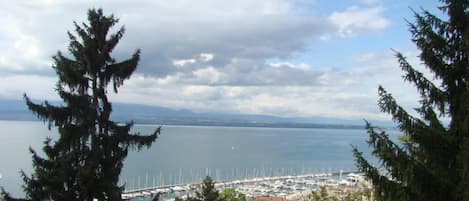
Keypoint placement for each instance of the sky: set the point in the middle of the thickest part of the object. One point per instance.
(289, 58)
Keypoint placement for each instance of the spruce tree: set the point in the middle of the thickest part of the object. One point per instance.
(432, 162)
(208, 191)
(85, 162)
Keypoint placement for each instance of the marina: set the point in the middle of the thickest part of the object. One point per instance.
(288, 187)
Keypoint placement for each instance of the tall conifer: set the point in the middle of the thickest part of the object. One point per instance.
(85, 162)
(432, 162)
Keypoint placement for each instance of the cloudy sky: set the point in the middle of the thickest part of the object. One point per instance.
(292, 58)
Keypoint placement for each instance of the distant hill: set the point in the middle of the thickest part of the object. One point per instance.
(16, 110)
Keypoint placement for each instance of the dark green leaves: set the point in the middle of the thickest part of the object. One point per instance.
(432, 161)
(85, 161)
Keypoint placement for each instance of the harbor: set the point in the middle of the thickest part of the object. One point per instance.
(289, 187)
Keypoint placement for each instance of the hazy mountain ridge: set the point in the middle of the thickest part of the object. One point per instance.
(17, 110)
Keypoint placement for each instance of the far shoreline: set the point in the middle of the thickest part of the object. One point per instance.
(240, 125)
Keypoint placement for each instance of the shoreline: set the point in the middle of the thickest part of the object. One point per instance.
(290, 187)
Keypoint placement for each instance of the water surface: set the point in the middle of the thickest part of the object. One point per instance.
(188, 153)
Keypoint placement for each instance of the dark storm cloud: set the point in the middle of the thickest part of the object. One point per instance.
(229, 40)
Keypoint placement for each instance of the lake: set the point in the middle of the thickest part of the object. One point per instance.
(185, 154)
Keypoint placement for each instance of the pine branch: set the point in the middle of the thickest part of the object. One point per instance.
(54, 115)
(426, 88)
(119, 72)
(385, 188)
(113, 40)
(432, 42)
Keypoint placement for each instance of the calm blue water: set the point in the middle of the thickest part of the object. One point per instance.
(188, 153)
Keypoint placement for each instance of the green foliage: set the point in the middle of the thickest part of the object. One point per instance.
(230, 194)
(404, 139)
(208, 193)
(321, 195)
(359, 196)
(432, 163)
(85, 162)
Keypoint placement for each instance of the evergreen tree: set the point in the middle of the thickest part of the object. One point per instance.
(85, 162)
(432, 163)
(208, 192)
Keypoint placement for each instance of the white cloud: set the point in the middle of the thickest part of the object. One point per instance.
(165, 31)
(183, 62)
(30, 33)
(355, 20)
(301, 66)
(35, 86)
(366, 57)
(209, 76)
(206, 57)
(346, 93)
(199, 92)
(23, 51)
(349, 93)
(209, 56)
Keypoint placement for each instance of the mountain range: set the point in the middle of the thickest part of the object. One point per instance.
(143, 114)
